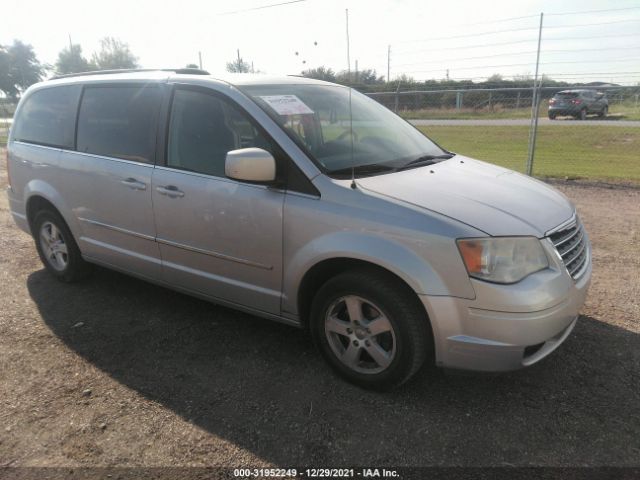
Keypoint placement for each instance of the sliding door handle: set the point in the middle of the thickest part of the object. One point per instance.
(170, 191)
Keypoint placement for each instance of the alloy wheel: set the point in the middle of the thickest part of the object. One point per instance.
(360, 334)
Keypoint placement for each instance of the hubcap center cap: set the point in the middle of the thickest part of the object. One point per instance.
(361, 333)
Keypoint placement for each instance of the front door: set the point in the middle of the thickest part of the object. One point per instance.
(217, 236)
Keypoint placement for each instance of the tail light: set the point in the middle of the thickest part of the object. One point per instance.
(552, 101)
(576, 102)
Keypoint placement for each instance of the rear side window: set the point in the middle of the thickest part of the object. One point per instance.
(119, 121)
(48, 117)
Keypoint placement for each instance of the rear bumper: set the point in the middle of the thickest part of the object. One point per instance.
(18, 211)
(471, 338)
(565, 110)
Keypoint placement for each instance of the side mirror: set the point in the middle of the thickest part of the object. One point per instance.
(250, 165)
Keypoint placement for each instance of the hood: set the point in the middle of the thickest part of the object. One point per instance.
(490, 198)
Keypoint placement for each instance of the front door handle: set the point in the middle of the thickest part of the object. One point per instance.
(134, 184)
(170, 191)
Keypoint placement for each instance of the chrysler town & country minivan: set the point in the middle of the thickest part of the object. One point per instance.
(304, 202)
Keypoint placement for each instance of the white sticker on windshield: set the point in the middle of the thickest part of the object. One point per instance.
(287, 104)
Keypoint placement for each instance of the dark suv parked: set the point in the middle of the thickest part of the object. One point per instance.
(578, 103)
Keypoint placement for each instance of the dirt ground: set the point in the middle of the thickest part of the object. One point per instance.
(118, 372)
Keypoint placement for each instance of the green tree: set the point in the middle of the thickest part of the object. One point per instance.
(70, 60)
(114, 54)
(239, 66)
(320, 73)
(366, 76)
(19, 68)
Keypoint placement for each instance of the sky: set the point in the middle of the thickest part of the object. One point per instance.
(464, 39)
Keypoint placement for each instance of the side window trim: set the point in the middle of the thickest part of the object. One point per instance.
(285, 163)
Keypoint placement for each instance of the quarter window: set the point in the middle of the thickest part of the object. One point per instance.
(119, 121)
(203, 128)
(48, 117)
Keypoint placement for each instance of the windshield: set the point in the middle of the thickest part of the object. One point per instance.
(366, 137)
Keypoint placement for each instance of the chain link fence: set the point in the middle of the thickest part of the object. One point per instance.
(496, 125)
(7, 109)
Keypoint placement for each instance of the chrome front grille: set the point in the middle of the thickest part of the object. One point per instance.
(571, 245)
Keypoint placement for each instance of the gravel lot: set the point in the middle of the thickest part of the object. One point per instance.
(118, 372)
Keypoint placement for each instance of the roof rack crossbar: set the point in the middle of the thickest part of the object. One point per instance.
(189, 71)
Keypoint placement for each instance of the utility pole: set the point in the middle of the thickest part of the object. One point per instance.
(200, 59)
(70, 43)
(356, 77)
(388, 63)
(533, 128)
(348, 53)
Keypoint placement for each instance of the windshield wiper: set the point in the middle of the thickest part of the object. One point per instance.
(426, 160)
(363, 169)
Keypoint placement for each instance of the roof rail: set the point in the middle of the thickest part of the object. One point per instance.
(189, 71)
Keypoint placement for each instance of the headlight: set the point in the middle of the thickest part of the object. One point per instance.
(502, 259)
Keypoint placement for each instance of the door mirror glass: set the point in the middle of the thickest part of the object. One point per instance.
(250, 165)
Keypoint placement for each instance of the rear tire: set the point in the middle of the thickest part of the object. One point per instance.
(371, 328)
(57, 248)
(552, 116)
(583, 114)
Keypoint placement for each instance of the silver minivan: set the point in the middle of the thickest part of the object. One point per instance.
(303, 202)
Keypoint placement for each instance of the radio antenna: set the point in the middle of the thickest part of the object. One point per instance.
(353, 167)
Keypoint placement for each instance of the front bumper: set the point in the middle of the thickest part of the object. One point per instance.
(507, 327)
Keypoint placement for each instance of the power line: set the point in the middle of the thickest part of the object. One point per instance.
(580, 25)
(525, 65)
(518, 54)
(532, 40)
(593, 11)
(479, 34)
(262, 7)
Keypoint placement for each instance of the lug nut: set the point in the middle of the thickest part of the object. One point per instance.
(355, 343)
(349, 331)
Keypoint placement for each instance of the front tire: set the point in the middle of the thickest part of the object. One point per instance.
(371, 328)
(582, 115)
(57, 248)
(604, 112)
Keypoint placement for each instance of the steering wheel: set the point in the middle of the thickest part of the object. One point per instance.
(346, 133)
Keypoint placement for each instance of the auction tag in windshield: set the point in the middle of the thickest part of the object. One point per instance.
(287, 104)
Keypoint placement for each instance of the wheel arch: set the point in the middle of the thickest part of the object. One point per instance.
(322, 271)
(39, 195)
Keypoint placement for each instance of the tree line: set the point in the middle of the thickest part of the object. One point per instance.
(20, 68)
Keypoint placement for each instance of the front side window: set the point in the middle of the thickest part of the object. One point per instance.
(119, 121)
(203, 128)
(343, 129)
(48, 117)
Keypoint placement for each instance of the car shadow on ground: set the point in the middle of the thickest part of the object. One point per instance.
(262, 386)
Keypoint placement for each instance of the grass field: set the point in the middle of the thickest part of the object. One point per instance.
(593, 152)
(625, 111)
